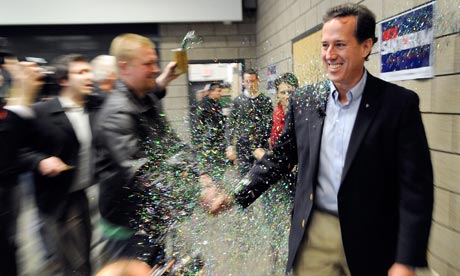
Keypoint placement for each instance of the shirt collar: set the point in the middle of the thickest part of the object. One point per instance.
(249, 95)
(354, 93)
(69, 105)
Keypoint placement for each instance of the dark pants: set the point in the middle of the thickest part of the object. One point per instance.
(246, 159)
(139, 247)
(8, 217)
(67, 234)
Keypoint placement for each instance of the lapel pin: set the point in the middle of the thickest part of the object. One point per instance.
(367, 105)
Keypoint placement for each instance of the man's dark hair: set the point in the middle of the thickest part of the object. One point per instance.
(288, 78)
(251, 71)
(61, 65)
(215, 85)
(365, 20)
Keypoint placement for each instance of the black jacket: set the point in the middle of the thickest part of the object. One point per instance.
(56, 137)
(385, 200)
(211, 132)
(250, 122)
(129, 144)
(15, 133)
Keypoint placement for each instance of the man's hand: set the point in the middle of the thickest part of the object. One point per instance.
(206, 181)
(52, 166)
(230, 153)
(213, 199)
(27, 79)
(167, 76)
(400, 270)
(258, 153)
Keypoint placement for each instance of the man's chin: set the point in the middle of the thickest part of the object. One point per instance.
(334, 77)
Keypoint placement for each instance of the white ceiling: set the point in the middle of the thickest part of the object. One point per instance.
(27, 12)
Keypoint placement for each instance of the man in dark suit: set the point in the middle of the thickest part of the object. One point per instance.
(364, 198)
(12, 130)
(16, 129)
(65, 133)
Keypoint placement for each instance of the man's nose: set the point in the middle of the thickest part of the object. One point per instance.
(331, 52)
(155, 68)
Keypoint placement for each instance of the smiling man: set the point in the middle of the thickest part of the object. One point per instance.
(131, 137)
(364, 193)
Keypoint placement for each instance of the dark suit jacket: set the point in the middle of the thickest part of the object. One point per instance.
(56, 138)
(126, 126)
(385, 199)
(15, 132)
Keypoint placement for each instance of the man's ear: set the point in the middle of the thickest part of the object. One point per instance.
(367, 47)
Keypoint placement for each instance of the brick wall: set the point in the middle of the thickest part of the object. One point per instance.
(234, 41)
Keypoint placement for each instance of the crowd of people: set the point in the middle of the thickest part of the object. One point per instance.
(344, 165)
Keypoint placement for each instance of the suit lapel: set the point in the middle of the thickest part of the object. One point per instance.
(57, 113)
(316, 123)
(370, 104)
(315, 133)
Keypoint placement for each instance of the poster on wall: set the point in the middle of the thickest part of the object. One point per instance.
(271, 77)
(406, 45)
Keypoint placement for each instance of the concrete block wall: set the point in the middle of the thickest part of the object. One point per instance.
(280, 21)
(220, 41)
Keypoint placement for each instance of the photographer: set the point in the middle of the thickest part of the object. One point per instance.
(15, 128)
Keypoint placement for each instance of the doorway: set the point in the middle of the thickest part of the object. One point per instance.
(203, 73)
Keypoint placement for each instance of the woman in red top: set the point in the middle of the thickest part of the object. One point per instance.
(285, 84)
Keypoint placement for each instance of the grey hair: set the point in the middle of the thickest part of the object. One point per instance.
(103, 66)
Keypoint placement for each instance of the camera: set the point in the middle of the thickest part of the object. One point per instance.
(49, 88)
